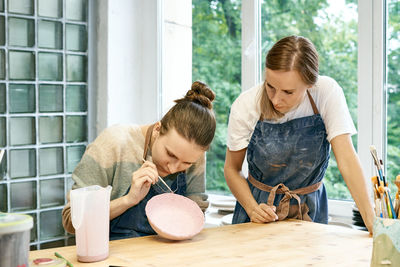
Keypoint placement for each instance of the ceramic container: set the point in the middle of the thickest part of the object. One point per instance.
(174, 217)
(386, 244)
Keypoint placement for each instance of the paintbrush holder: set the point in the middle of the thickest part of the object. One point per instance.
(386, 243)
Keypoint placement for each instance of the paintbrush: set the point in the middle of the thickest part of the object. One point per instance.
(391, 203)
(377, 163)
(387, 189)
(379, 185)
(162, 180)
(386, 193)
(378, 208)
(385, 209)
(396, 205)
(383, 173)
(392, 210)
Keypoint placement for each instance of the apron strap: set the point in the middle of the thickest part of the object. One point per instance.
(147, 140)
(284, 205)
(314, 107)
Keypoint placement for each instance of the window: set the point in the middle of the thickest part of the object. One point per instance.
(216, 59)
(43, 108)
(331, 25)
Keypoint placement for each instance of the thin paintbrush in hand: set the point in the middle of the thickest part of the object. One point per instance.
(162, 180)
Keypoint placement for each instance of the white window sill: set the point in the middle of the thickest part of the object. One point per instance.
(340, 212)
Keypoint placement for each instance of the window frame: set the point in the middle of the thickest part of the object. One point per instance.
(371, 80)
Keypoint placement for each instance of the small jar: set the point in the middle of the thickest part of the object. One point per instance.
(14, 239)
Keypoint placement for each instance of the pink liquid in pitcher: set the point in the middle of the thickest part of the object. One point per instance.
(90, 212)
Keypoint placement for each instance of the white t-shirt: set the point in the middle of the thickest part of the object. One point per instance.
(327, 95)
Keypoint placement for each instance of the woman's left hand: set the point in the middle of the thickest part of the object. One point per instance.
(263, 213)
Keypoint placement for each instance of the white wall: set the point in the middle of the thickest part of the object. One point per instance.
(127, 60)
(177, 50)
(143, 50)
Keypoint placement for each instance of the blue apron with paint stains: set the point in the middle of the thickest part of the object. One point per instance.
(133, 222)
(294, 153)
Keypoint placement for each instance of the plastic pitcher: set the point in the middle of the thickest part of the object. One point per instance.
(90, 214)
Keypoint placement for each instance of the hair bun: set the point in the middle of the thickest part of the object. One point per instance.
(201, 94)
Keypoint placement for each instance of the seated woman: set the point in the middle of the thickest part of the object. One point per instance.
(131, 157)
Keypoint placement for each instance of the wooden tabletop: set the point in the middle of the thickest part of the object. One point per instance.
(284, 243)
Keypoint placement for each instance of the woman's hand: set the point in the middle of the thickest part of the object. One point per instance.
(263, 213)
(142, 179)
(258, 213)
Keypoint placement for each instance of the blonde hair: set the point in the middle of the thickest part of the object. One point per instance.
(289, 53)
(192, 116)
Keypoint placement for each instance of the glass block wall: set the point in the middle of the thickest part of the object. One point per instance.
(43, 109)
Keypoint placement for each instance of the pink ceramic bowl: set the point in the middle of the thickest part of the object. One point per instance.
(174, 217)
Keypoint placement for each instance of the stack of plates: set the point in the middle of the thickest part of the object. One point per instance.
(225, 205)
(357, 219)
(227, 219)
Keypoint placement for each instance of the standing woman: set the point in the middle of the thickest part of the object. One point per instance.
(131, 157)
(287, 126)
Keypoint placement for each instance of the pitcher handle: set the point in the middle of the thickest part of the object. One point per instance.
(78, 203)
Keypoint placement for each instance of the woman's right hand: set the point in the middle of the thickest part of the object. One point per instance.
(263, 213)
(142, 179)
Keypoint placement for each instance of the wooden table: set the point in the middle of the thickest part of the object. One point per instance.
(284, 243)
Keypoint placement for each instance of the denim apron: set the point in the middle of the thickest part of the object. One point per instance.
(287, 163)
(133, 222)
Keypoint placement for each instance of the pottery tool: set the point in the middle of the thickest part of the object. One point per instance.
(61, 257)
(162, 180)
